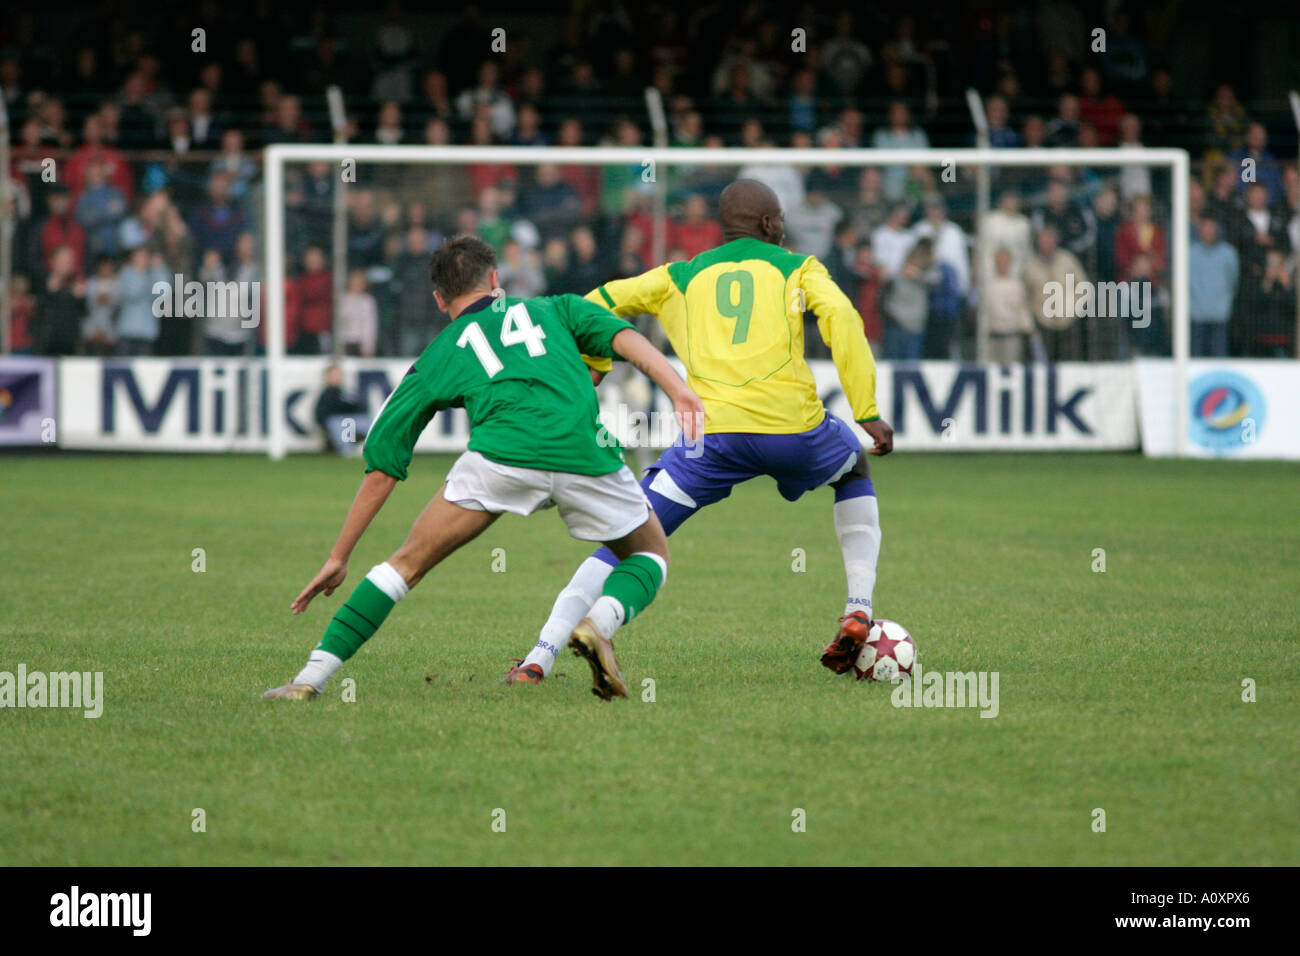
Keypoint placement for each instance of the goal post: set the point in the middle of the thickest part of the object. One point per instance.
(276, 157)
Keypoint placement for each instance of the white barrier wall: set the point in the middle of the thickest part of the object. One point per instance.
(945, 406)
(215, 405)
(1237, 408)
(219, 404)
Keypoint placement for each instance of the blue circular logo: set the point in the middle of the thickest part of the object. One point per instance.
(1227, 411)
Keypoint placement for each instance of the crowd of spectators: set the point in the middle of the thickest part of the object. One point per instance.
(132, 167)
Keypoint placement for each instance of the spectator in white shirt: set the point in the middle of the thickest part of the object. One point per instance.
(891, 242)
(1005, 226)
(950, 242)
(360, 317)
(1008, 312)
(500, 108)
(1133, 180)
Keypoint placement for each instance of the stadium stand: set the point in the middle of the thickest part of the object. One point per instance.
(158, 148)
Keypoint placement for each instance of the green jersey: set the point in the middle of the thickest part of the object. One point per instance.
(515, 365)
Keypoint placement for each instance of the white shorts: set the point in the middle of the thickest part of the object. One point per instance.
(594, 507)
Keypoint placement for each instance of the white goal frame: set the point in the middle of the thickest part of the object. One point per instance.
(275, 157)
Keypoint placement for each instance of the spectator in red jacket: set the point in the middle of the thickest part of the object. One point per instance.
(22, 309)
(696, 231)
(61, 228)
(639, 216)
(483, 175)
(1140, 236)
(584, 179)
(314, 305)
(291, 311)
(868, 295)
(1099, 108)
(94, 150)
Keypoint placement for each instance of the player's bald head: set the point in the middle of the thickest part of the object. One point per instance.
(750, 209)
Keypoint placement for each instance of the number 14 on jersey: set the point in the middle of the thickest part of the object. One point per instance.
(516, 329)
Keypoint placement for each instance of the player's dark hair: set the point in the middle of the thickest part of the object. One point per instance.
(461, 265)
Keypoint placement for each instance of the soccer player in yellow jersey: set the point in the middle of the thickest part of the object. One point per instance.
(734, 315)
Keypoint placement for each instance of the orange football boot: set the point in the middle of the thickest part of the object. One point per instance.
(843, 651)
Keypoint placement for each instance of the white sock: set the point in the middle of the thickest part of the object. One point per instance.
(571, 606)
(857, 526)
(607, 614)
(321, 666)
(389, 580)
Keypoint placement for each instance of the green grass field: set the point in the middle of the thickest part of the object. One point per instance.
(1120, 690)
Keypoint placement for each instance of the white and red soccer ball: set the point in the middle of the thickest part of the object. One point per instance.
(887, 655)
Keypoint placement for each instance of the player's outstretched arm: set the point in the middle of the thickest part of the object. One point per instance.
(841, 329)
(640, 351)
(374, 491)
(643, 294)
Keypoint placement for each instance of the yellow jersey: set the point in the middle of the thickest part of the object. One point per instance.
(734, 316)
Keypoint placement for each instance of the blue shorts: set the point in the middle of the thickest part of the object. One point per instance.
(686, 478)
(799, 462)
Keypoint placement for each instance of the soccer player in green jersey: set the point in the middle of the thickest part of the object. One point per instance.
(516, 366)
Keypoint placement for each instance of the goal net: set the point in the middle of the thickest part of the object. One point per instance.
(1006, 293)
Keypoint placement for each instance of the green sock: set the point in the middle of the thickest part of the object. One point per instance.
(358, 619)
(634, 582)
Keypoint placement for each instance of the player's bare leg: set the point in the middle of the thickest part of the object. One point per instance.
(440, 529)
(630, 587)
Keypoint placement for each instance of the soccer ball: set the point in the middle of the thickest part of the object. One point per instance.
(887, 655)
